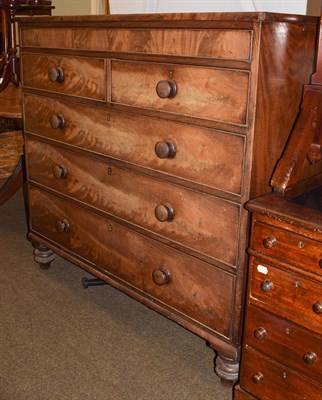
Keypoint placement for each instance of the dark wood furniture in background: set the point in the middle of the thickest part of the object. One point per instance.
(11, 140)
(145, 135)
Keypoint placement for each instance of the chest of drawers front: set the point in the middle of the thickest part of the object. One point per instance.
(143, 143)
(282, 356)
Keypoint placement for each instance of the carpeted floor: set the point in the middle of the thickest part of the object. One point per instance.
(59, 341)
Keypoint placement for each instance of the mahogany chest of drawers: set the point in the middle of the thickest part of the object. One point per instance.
(144, 136)
(282, 350)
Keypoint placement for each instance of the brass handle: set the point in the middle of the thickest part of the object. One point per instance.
(60, 172)
(62, 226)
(57, 121)
(267, 286)
(260, 333)
(166, 89)
(165, 149)
(317, 307)
(258, 378)
(161, 276)
(56, 74)
(164, 212)
(269, 242)
(310, 357)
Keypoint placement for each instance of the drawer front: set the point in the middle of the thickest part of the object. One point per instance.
(200, 222)
(267, 379)
(298, 348)
(291, 295)
(288, 246)
(81, 77)
(211, 158)
(205, 93)
(183, 283)
(228, 44)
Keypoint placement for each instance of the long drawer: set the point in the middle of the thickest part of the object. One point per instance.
(185, 284)
(290, 344)
(205, 93)
(268, 379)
(76, 76)
(288, 294)
(197, 155)
(228, 44)
(203, 223)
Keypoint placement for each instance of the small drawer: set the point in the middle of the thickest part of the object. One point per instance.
(199, 222)
(282, 340)
(286, 293)
(287, 246)
(203, 156)
(268, 379)
(76, 76)
(205, 93)
(227, 44)
(181, 284)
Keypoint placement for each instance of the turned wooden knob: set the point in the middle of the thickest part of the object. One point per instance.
(260, 333)
(57, 121)
(258, 377)
(267, 286)
(62, 226)
(164, 212)
(269, 242)
(310, 357)
(166, 89)
(161, 276)
(317, 307)
(56, 74)
(165, 149)
(60, 172)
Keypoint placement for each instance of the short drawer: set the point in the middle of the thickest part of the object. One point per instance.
(282, 340)
(76, 76)
(205, 93)
(268, 379)
(202, 223)
(204, 156)
(289, 294)
(228, 44)
(179, 283)
(288, 246)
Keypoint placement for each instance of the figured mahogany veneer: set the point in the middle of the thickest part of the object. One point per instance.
(145, 136)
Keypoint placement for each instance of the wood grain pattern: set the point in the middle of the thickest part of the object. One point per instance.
(203, 223)
(204, 156)
(11, 148)
(83, 77)
(279, 381)
(225, 44)
(132, 258)
(207, 93)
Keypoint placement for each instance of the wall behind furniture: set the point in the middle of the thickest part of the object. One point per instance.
(72, 7)
(283, 6)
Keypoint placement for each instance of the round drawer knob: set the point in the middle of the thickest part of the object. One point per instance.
(317, 307)
(164, 212)
(310, 357)
(166, 89)
(165, 149)
(62, 226)
(60, 172)
(260, 333)
(258, 378)
(269, 242)
(56, 74)
(161, 276)
(267, 286)
(57, 121)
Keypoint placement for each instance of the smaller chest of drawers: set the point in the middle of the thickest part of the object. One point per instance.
(282, 350)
